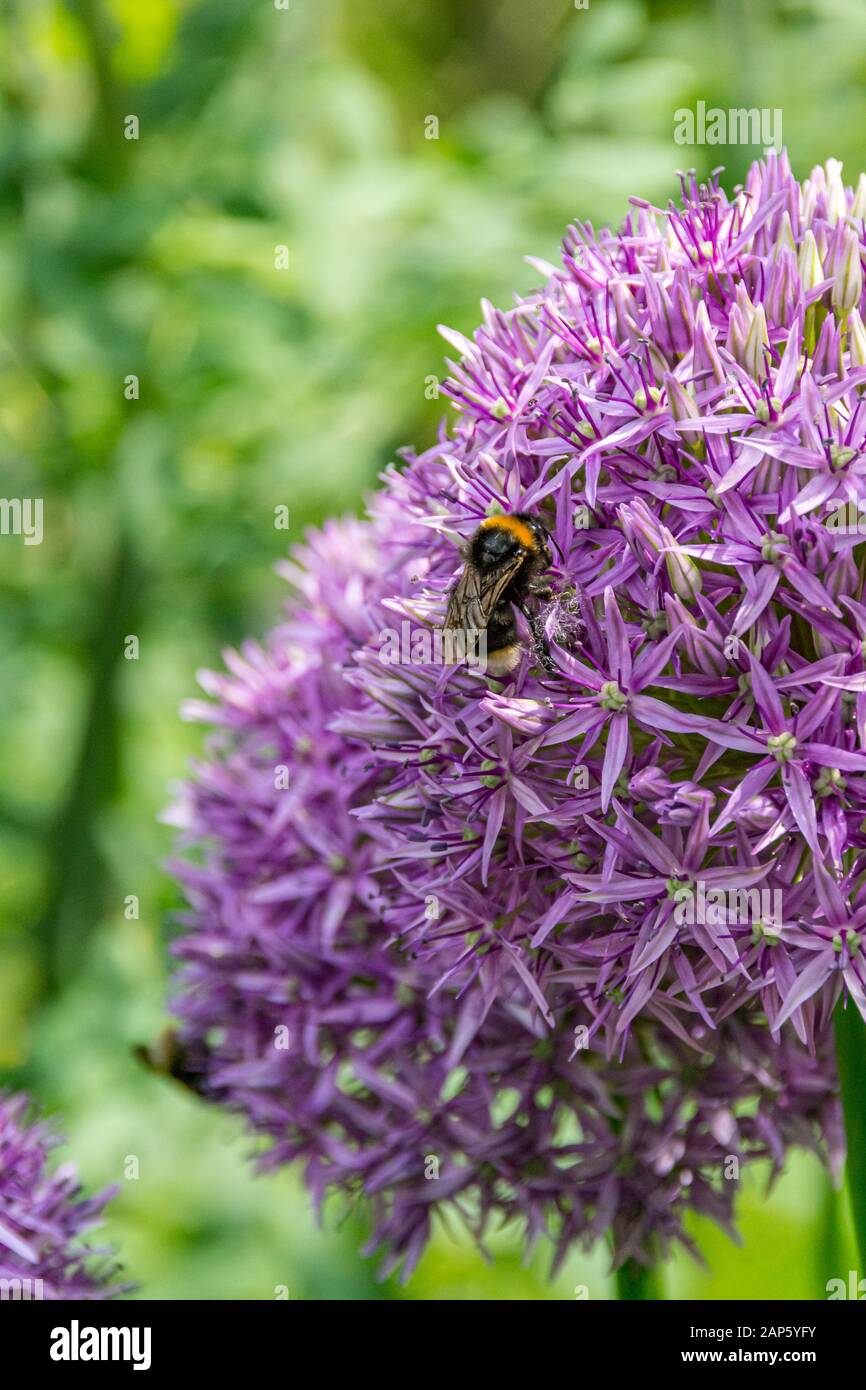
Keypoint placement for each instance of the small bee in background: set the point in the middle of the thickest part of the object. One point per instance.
(504, 562)
(169, 1057)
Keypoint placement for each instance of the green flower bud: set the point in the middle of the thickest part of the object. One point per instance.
(809, 264)
(785, 238)
(488, 766)
(610, 697)
(757, 340)
(765, 932)
(841, 455)
(680, 403)
(640, 397)
(848, 280)
(679, 889)
(682, 571)
(782, 747)
(828, 781)
(767, 410)
(706, 357)
(856, 339)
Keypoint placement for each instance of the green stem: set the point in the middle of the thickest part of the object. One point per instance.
(831, 1245)
(851, 1057)
(634, 1281)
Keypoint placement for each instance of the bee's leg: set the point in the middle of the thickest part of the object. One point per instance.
(539, 588)
(539, 638)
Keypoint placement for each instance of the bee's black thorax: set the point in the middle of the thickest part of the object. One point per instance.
(494, 544)
(503, 538)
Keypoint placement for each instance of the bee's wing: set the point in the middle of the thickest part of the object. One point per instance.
(475, 595)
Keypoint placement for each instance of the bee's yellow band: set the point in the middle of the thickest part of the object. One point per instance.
(517, 528)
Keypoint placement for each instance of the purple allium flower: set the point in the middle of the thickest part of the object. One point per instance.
(43, 1217)
(682, 403)
(320, 1012)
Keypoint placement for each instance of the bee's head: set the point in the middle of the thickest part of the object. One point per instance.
(504, 533)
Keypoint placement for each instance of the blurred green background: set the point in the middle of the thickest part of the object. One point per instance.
(259, 386)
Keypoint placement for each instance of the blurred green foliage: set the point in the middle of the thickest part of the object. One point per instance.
(261, 387)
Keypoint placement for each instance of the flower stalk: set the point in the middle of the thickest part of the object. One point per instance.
(638, 1281)
(851, 1059)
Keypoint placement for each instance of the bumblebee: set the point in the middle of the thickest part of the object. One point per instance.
(168, 1057)
(504, 562)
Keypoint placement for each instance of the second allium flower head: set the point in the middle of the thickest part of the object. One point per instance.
(465, 908)
(44, 1217)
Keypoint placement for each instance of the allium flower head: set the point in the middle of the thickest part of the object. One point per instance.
(43, 1216)
(558, 947)
(682, 403)
(575, 935)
